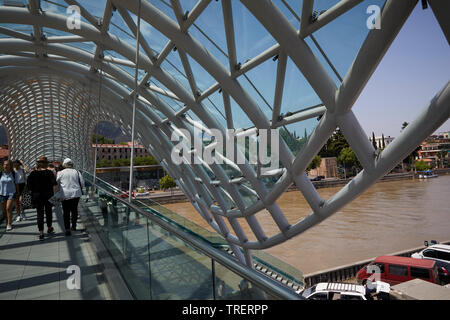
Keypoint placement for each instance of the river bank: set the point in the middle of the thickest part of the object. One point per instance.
(177, 196)
(388, 217)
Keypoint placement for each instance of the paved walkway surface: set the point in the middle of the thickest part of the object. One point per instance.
(33, 269)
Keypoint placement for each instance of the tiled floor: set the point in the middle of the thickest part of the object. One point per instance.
(33, 269)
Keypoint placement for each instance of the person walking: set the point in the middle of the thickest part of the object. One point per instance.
(71, 183)
(43, 186)
(8, 191)
(20, 174)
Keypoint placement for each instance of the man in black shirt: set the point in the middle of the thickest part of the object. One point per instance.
(43, 186)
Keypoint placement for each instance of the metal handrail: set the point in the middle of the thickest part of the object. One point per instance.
(266, 284)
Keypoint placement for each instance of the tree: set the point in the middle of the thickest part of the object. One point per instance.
(382, 139)
(334, 145)
(422, 165)
(404, 125)
(167, 182)
(413, 155)
(100, 139)
(374, 143)
(293, 143)
(103, 163)
(348, 158)
(316, 161)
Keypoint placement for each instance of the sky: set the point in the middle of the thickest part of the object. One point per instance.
(414, 69)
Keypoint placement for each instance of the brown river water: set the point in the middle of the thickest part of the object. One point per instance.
(389, 217)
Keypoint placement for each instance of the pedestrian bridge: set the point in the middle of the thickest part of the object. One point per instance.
(156, 68)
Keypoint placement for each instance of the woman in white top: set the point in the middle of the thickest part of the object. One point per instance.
(70, 183)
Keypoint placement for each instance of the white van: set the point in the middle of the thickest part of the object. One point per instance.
(344, 291)
(437, 252)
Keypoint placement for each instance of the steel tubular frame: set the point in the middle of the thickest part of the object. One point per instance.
(216, 194)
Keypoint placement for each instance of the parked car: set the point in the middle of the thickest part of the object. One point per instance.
(395, 270)
(345, 291)
(126, 195)
(439, 253)
(318, 178)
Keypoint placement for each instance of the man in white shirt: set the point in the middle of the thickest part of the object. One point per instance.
(70, 183)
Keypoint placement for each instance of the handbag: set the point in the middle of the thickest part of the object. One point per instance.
(79, 182)
(27, 199)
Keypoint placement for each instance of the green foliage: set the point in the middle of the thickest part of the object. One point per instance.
(404, 125)
(167, 182)
(138, 161)
(422, 165)
(334, 145)
(374, 143)
(120, 162)
(103, 163)
(314, 163)
(99, 139)
(293, 142)
(348, 158)
(144, 161)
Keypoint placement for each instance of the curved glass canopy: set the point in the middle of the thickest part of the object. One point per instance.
(285, 65)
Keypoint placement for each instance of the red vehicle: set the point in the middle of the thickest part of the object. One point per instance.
(126, 194)
(395, 270)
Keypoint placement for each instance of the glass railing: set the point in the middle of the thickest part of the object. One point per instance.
(161, 256)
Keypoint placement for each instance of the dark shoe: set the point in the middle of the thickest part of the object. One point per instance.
(74, 228)
(68, 233)
(41, 237)
(51, 231)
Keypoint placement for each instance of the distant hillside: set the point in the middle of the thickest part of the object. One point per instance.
(108, 130)
(3, 137)
(104, 128)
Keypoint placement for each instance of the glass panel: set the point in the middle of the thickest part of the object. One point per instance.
(297, 93)
(165, 7)
(342, 38)
(95, 8)
(136, 270)
(250, 36)
(420, 273)
(296, 135)
(23, 28)
(398, 270)
(155, 39)
(179, 272)
(230, 286)
(203, 79)
(209, 30)
(172, 64)
(292, 11)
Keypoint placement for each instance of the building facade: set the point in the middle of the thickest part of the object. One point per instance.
(379, 141)
(328, 168)
(119, 151)
(435, 150)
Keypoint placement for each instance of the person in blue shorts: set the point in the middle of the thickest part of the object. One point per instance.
(8, 191)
